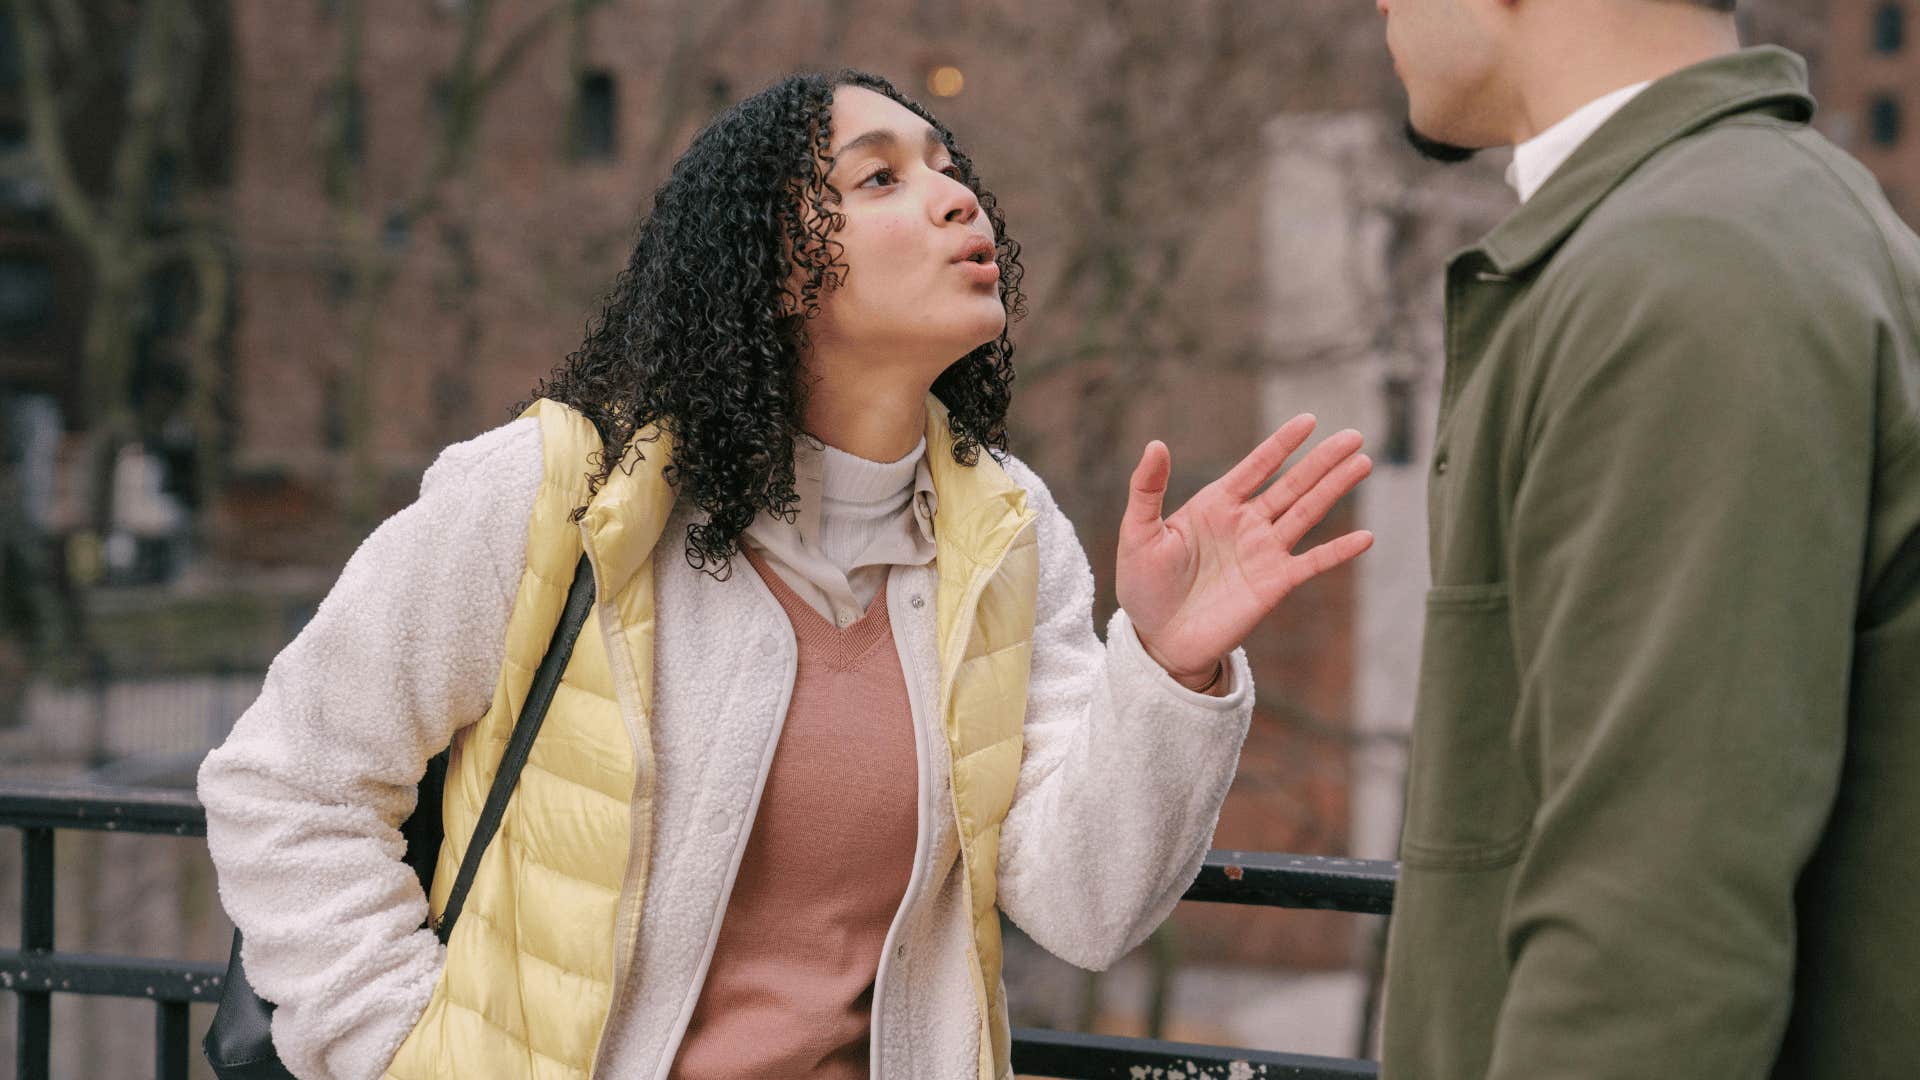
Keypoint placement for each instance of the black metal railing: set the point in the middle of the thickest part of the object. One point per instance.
(37, 971)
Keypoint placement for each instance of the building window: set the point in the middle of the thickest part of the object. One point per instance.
(163, 182)
(440, 98)
(1889, 27)
(9, 55)
(397, 231)
(333, 411)
(1401, 395)
(21, 189)
(167, 295)
(26, 294)
(343, 118)
(595, 117)
(1883, 120)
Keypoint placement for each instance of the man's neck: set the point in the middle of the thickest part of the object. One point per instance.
(1564, 65)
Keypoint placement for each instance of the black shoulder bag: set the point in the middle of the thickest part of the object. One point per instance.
(239, 1044)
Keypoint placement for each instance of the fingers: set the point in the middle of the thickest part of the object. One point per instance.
(1308, 510)
(1148, 489)
(1301, 478)
(1245, 478)
(1339, 550)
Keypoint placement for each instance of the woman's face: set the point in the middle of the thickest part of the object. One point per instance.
(921, 288)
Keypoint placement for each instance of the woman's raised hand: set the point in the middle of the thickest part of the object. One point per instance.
(1196, 583)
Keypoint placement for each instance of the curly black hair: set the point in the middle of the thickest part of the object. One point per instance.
(702, 333)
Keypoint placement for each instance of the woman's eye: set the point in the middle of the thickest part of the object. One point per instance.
(952, 170)
(885, 176)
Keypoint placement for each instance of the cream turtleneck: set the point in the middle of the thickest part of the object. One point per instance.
(856, 519)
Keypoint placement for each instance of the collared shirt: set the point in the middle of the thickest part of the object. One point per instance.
(1537, 159)
(856, 518)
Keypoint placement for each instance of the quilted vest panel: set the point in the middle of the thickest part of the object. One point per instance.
(530, 967)
(988, 559)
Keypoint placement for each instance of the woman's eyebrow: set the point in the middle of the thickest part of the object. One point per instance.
(883, 137)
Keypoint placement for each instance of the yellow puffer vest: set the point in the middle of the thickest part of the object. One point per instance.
(553, 917)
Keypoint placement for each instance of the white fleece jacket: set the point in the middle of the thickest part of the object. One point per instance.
(1119, 789)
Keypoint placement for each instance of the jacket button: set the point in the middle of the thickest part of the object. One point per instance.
(1440, 464)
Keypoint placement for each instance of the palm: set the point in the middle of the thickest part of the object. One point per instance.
(1196, 583)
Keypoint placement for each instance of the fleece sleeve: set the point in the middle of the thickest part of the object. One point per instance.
(304, 797)
(1123, 772)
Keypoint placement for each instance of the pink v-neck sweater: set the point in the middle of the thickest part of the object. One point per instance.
(790, 989)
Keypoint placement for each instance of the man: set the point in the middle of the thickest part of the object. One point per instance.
(1664, 806)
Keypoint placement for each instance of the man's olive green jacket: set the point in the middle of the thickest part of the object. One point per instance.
(1663, 817)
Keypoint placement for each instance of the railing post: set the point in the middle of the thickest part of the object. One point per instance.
(34, 1053)
(170, 1041)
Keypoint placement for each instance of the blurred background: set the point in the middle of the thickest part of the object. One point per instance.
(260, 260)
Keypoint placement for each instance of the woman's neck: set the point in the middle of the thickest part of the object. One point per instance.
(875, 421)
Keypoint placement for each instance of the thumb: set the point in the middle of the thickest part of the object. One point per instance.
(1148, 490)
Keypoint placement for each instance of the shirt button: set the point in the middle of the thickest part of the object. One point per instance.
(843, 619)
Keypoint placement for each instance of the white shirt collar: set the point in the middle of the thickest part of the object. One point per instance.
(1537, 159)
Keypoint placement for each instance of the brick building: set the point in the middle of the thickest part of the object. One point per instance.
(1869, 89)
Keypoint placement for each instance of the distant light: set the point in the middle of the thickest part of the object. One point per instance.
(946, 81)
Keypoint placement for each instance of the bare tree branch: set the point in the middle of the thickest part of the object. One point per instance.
(44, 127)
(145, 111)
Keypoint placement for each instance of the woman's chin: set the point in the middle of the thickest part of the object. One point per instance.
(988, 326)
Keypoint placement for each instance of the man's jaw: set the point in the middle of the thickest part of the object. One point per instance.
(1434, 150)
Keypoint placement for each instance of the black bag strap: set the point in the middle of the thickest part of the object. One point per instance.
(545, 681)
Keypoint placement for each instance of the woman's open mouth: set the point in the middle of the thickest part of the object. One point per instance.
(977, 262)
(979, 273)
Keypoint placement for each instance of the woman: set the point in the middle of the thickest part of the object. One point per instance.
(840, 703)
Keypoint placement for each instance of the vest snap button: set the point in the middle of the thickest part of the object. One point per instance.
(719, 820)
(918, 601)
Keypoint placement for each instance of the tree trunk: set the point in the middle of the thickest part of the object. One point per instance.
(107, 355)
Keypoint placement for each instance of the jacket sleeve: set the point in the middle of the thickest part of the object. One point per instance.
(1685, 559)
(1123, 771)
(304, 797)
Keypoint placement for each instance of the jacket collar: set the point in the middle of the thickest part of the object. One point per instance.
(1766, 79)
(630, 511)
(979, 509)
(979, 515)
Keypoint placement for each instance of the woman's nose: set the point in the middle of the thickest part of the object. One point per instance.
(957, 202)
